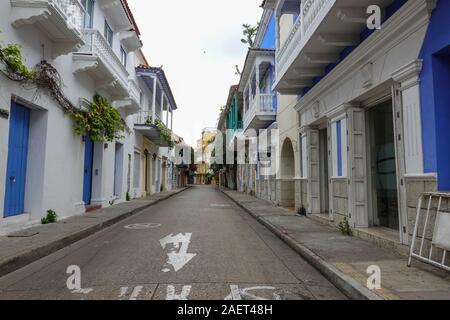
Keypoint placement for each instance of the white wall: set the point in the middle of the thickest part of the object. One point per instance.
(56, 155)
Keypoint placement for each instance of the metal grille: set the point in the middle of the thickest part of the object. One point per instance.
(431, 237)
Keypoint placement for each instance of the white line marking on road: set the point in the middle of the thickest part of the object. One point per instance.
(177, 259)
(123, 292)
(182, 296)
(237, 294)
(142, 226)
(134, 294)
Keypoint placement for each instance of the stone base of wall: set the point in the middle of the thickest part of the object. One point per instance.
(266, 188)
(301, 194)
(415, 187)
(339, 189)
(286, 193)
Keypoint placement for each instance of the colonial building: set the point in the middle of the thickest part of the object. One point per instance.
(230, 122)
(153, 149)
(260, 105)
(95, 48)
(372, 125)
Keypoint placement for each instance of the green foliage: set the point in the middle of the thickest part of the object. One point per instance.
(51, 217)
(249, 33)
(128, 198)
(165, 132)
(12, 59)
(101, 121)
(344, 227)
(302, 211)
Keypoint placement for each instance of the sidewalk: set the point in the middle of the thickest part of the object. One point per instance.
(26, 246)
(344, 260)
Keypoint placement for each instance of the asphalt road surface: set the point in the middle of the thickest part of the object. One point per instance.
(196, 245)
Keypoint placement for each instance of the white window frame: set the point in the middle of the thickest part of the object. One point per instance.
(344, 147)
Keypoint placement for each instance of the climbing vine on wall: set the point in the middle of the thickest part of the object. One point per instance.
(100, 120)
(13, 66)
(165, 132)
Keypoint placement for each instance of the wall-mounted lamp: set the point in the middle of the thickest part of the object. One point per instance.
(4, 114)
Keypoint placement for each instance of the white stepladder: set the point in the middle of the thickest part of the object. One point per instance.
(440, 231)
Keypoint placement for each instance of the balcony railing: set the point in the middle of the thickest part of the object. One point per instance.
(145, 118)
(263, 104)
(294, 37)
(96, 44)
(309, 14)
(61, 20)
(73, 11)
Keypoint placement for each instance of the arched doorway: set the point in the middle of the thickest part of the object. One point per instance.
(287, 173)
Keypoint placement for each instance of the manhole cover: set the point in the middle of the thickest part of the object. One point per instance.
(142, 226)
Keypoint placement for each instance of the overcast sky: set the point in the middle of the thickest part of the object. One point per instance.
(198, 43)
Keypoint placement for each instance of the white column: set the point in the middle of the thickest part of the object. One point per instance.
(162, 104)
(245, 101)
(259, 106)
(154, 101)
(277, 32)
(408, 78)
(171, 119)
(302, 21)
(167, 115)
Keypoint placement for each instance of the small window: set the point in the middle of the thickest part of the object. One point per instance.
(108, 34)
(123, 56)
(339, 146)
(88, 17)
(303, 158)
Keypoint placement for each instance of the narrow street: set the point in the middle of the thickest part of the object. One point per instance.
(196, 245)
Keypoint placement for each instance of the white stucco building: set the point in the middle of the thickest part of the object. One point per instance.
(367, 137)
(95, 47)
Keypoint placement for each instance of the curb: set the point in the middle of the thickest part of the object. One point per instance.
(23, 259)
(349, 286)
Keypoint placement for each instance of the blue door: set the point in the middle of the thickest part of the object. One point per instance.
(19, 124)
(88, 164)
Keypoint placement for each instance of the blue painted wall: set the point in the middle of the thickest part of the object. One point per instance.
(268, 41)
(435, 95)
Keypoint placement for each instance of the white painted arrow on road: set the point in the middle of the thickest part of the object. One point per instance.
(177, 259)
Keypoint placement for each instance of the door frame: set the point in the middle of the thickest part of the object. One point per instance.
(394, 96)
(324, 164)
(86, 140)
(8, 189)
